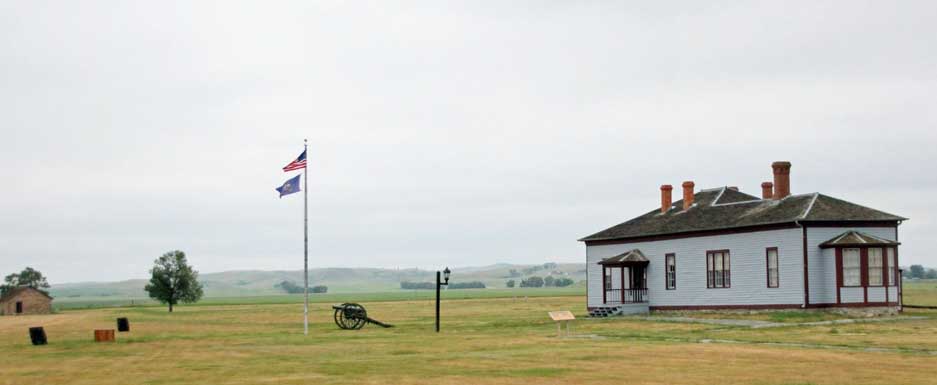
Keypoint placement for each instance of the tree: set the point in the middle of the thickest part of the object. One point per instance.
(931, 274)
(290, 287)
(509, 283)
(319, 289)
(563, 282)
(173, 280)
(917, 271)
(29, 277)
(548, 281)
(532, 282)
(467, 285)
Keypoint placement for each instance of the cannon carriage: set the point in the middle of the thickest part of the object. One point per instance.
(352, 316)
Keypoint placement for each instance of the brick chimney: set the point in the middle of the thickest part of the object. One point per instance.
(666, 198)
(688, 194)
(782, 179)
(734, 188)
(767, 190)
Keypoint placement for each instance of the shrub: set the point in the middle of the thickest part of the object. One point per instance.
(407, 285)
(289, 287)
(467, 285)
(563, 282)
(532, 282)
(509, 283)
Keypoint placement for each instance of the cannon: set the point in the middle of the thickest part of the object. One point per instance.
(352, 316)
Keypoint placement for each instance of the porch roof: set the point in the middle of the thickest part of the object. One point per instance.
(631, 257)
(857, 239)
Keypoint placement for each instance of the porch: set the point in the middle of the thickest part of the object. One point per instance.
(624, 279)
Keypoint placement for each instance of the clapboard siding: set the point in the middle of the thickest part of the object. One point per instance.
(822, 264)
(876, 294)
(748, 269)
(852, 295)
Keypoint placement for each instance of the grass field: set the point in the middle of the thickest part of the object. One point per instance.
(484, 341)
(397, 295)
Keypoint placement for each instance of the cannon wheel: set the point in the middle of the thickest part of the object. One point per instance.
(351, 316)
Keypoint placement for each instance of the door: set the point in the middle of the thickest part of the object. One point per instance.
(19, 307)
(638, 277)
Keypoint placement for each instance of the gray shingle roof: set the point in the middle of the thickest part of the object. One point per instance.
(631, 256)
(723, 209)
(857, 238)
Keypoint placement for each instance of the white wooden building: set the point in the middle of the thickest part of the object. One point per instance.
(723, 249)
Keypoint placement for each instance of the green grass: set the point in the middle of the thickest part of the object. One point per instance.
(920, 292)
(488, 337)
(483, 341)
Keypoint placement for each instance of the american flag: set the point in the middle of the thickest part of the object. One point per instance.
(299, 163)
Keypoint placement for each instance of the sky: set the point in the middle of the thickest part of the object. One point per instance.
(440, 133)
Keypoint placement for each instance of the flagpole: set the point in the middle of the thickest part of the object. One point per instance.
(306, 241)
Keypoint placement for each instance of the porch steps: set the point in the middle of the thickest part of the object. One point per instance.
(605, 311)
(624, 309)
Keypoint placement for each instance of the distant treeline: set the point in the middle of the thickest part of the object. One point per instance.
(407, 285)
(292, 288)
(542, 282)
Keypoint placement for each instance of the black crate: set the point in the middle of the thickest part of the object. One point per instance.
(123, 324)
(38, 335)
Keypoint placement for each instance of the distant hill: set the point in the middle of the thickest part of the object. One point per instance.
(339, 280)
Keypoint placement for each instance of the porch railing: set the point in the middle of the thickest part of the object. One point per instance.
(614, 296)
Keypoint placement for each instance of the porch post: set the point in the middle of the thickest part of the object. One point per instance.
(622, 284)
(604, 286)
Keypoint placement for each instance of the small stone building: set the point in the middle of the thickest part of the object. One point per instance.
(25, 300)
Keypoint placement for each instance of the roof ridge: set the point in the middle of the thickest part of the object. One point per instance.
(718, 196)
(810, 206)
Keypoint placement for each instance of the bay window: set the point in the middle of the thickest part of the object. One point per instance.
(875, 267)
(852, 270)
(892, 267)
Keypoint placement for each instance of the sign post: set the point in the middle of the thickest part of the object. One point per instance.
(563, 316)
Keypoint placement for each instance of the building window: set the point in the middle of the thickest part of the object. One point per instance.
(772, 265)
(876, 269)
(608, 278)
(717, 269)
(671, 279)
(852, 270)
(892, 267)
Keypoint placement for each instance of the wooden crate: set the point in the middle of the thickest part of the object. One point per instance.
(104, 335)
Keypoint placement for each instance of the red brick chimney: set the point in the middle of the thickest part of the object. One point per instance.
(782, 179)
(688, 194)
(666, 198)
(767, 190)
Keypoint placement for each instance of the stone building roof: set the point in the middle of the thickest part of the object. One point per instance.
(16, 290)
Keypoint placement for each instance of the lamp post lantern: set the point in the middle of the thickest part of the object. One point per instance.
(439, 284)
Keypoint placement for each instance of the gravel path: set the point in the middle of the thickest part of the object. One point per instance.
(755, 324)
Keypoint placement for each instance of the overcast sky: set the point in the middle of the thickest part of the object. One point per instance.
(439, 133)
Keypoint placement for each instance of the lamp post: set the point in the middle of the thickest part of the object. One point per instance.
(438, 285)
